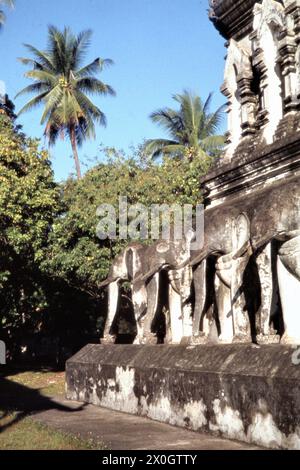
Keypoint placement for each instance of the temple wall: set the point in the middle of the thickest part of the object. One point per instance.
(238, 392)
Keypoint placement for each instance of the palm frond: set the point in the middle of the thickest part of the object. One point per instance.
(43, 76)
(213, 121)
(213, 142)
(52, 100)
(59, 74)
(34, 88)
(94, 67)
(169, 120)
(79, 48)
(42, 58)
(37, 100)
(8, 3)
(207, 104)
(25, 61)
(190, 126)
(58, 42)
(90, 109)
(93, 85)
(155, 147)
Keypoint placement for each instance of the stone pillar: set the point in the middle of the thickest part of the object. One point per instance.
(262, 112)
(287, 61)
(293, 12)
(248, 104)
(228, 136)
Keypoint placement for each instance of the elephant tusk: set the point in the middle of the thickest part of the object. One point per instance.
(149, 274)
(145, 277)
(181, 266)
(243, 250)
(198, 259)
(107, 281)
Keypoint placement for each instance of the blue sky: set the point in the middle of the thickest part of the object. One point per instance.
(159, 47)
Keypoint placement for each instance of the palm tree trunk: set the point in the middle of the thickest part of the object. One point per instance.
(75, 153)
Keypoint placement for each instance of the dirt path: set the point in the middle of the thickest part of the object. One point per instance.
(119, 431)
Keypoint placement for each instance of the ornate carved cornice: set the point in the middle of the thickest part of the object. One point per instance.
(266, 165)
(233, 18)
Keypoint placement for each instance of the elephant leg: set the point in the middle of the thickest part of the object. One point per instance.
(264, 264)
(265, 268)
(152, 302)
(139, 300)
(187, 320)
(241, 323)
(187, 307)
(288, 266)
(200, 287)
(176, 317)
(181, 281)
(223, 297)
(113, 300)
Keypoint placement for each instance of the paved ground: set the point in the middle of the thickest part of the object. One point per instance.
(119, 431)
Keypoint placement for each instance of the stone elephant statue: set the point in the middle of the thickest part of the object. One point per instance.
(179, 275)
(275, 217)
(141, 265)
(218, 275)
(125, 267)
(234, 235)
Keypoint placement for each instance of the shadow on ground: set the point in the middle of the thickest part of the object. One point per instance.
(19, 401)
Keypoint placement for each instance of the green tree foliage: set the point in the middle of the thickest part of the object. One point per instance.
(7, 107)
(192, 129)
(8, 3)
(62, 84)
(29, 200)
(51, 260)
(76, 253)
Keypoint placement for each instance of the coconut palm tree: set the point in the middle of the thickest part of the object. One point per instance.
(62, 84)
(9, 3)
(192, 129)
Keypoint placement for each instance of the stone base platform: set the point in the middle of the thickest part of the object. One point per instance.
(243, 392)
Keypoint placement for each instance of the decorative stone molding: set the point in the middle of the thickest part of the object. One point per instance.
(268, 24)
(262, 73)
(232, 18)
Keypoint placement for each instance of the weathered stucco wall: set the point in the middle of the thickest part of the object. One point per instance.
(241, 392)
